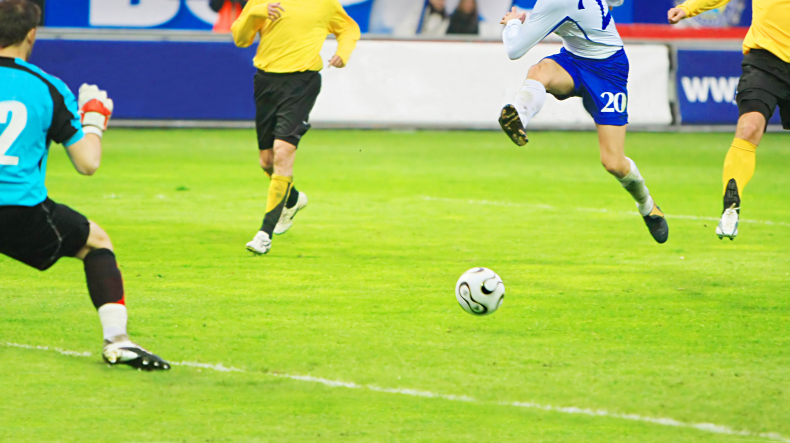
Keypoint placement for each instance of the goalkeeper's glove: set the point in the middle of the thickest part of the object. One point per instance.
(95, 109)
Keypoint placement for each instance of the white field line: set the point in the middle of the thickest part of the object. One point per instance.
(600, 210)
(662, 421)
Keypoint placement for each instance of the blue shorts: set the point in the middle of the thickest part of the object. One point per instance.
(602, 85)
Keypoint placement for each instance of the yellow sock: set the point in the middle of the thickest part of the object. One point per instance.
(739, 163)
(279, 188)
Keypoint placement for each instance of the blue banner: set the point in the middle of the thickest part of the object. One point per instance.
(734, 13)
(156, 14)
(706, 85)
(158, 80)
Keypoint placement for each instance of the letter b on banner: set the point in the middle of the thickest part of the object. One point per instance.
(133, 13)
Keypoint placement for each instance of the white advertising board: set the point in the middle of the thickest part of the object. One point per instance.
(464, 85)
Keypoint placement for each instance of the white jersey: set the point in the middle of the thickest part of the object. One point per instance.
(586, 27)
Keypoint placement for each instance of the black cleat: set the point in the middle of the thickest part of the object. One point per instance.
(511, 124)
(128, 353)
(657, 224)
(730, 216)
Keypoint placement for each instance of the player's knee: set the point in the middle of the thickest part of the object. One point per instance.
(750, 129)
(537, 72)
(98, 238)
(266, 162)
(615, 166)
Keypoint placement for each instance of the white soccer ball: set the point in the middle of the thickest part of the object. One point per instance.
(480, 291)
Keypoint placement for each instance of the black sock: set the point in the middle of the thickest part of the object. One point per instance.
(105, 284)
(292, 199)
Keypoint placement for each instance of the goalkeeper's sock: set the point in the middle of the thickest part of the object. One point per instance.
(529, 100)
(739, 163)
(279, 188)
(113, 318)
(105, 284)
(634, 183)
(293, 197)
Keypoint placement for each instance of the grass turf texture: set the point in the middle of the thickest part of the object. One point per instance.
(361, 289)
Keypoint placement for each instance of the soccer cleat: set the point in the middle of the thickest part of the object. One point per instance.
(657, 224)
(260, 244)
(124, 352)
(728, 225)
(511, 124)
(287, 217)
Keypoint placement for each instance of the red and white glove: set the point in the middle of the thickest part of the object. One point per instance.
(95, 109)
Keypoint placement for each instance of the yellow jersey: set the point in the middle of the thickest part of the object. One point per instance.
(770, 28)
(293, 42)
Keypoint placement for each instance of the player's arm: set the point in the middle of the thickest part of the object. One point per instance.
(347, 32)
(252, 19)
(95, 110)
(519, 37)
(691, 8)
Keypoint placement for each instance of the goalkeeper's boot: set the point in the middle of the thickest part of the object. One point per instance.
(287, 217)
(512, 125)
(657, 224)
(728, 225)
(260, 244)
(122, 351)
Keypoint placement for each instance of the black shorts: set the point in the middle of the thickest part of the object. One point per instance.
(40, 235)
(764, 85)
(283, 103)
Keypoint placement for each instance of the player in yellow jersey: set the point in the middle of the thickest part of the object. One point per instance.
(765, 83)
(286, 87)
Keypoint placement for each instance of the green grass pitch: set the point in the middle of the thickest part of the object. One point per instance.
(597, 316)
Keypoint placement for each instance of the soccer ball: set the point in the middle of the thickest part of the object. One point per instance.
(480, 291)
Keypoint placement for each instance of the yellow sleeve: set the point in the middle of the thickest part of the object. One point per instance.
(247, 25)
(697, 7)
(346, 31)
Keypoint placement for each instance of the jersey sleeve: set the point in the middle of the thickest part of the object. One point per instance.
(520, 38)
(697, 7)
(345, 29)
(246, 26)
(66, 128)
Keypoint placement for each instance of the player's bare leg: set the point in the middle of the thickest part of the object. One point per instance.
(611, 140)
(284, 155)
(105, 286)
(545, 77)
(738, 170)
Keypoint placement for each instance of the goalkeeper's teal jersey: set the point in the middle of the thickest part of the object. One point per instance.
(35, 110)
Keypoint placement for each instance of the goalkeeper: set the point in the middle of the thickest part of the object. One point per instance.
(286, 86)
(35, 109)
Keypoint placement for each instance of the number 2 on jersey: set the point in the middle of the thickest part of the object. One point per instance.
(16, 124)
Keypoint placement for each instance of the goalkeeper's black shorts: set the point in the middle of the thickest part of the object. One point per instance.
(764, 85)
(40, 235)
(283, 103)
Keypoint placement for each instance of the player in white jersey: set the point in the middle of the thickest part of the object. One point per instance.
(592, 64)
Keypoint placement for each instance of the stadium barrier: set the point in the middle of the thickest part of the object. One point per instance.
(176, 78)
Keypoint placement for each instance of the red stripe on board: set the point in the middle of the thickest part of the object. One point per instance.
(669, 32)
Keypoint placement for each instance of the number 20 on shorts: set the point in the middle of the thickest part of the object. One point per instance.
(615, 102)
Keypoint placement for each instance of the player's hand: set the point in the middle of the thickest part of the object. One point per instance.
(272, 11)
(95, 109)
(514, 14)
(675, 15)
(337, 62)
(275, 11)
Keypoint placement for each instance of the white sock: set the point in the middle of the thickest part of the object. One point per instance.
(113, 318)
(635, 185)
(529, 100)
